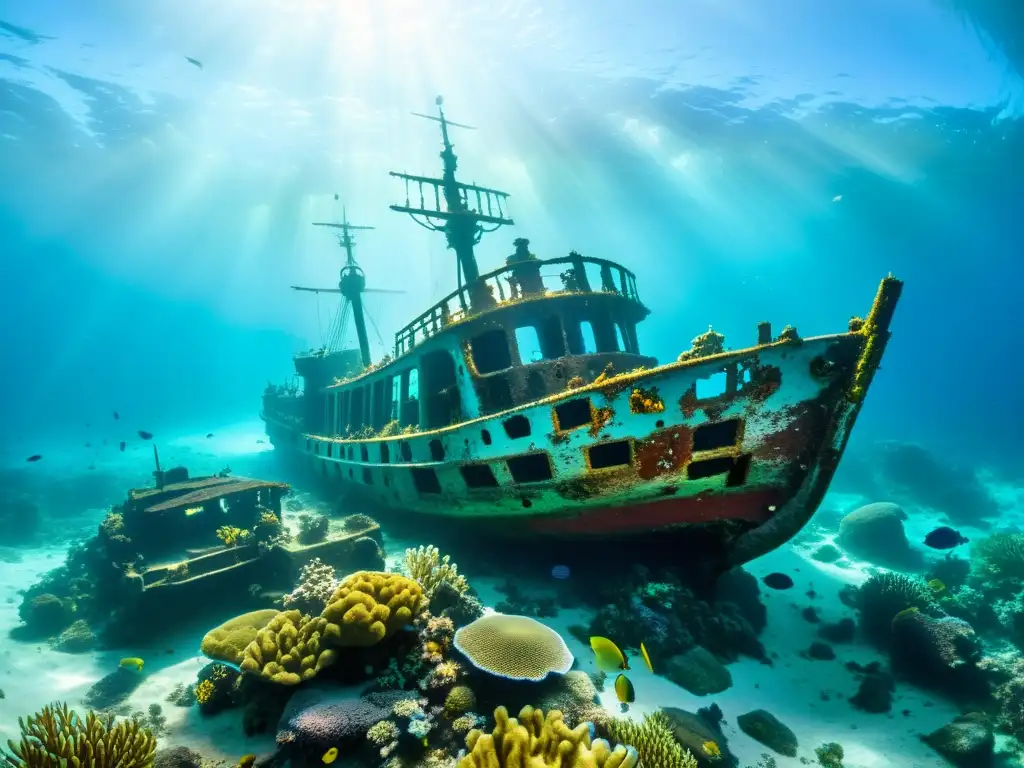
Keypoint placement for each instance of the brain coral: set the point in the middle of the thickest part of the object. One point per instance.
(288, 650)
(541, 742)
(318, 718)
(514, 647)
(369, 606)
(228, 641)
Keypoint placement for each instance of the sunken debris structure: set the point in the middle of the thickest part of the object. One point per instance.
(182, 546)
(522, 400)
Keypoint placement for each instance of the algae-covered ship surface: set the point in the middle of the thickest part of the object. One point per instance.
(511, 385)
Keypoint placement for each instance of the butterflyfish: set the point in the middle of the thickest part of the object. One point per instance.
(132, 663)
(330, 755)
(624, 690)
(609, 657)
(646, 657)
(246, 761)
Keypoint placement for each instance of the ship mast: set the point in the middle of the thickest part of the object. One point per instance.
(351, 283)
(462, 223)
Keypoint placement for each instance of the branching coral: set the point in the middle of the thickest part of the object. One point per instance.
(653, 740)
(231, 536)
(56, 737)
(536, 741)
(425, 565)
(316, 585)
(514, 647)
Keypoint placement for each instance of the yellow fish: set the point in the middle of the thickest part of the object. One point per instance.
(246, 761)
(330, 755)
(624, 690)
(609, 657)
(132, 663)
(711, 749)
(646, 658)
(936, 586)
(195, 511)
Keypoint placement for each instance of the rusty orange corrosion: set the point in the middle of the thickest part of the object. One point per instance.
(664, 451)
(646, 400)
(599, 418)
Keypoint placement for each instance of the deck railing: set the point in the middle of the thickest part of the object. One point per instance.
(535, 277)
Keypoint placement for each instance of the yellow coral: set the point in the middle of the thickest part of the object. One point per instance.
(653, 740)
(426, 566)
(368, 607)
(536, 741)
(228, 641)
(289, 649)
(231, 535)
(269, 518)
(56, 736)
(515, 647)
(646, 400)
(205, 691)
(459, 700)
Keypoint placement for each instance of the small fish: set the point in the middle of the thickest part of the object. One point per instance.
(193, 511)
(711, 749)
(330, 755)
(122, 445)
(209, 435)
(116, 415)
(778, 581)
(34, 457)
(145, 435)
(837, 199)
(607, 654)
(561, 572)
(945, 537)
(336, 197)
(936, 586)
(260, 442)
(246, 761)
(132, 663)
(624, 690)
(646, 657)
(194, 62)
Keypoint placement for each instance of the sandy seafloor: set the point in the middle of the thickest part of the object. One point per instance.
(33, 675)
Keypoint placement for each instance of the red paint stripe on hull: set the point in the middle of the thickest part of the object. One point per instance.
(652, 515)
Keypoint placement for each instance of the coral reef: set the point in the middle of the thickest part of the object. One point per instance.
(514, 647)
(575, 696)
(78, 638)
(830, 755)
(698, 671)
(317, 718)
(939, 653)
(536, 741)
(876, 688)
(317, 583)
(967, 741)
(56, 736)
(461, 607)
(653, 740)
(228, 641)
(426, 565)
(999, 559)
(216, 688)
(695, 732)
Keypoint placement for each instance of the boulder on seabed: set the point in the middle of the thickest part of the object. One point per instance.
(967, 741)
(875, 532)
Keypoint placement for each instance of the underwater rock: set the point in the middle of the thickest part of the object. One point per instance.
(366, 555)
(693, 731)
(462, 607)
(313, 529)
(875, 532)
(764, 727)
(842, 631)
(519, 603)
(821, 651)
(215, 688)
(177, 757)
(113, 690)
(78, 638)
(46, 613)
(699, 672)
(827, 553)
(968, 741)
(876, 688)
(938, 653)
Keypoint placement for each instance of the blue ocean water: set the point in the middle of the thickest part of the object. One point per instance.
(747, 160)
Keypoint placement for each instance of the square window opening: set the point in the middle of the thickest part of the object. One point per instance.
(589, 340)
(608, 455)
(710, 437)
(517, 426)
(528, 342)
(436, 450)
(699, 470)
(425, 480)
(490, 351)
(572, 414)
(478, 476)
(712, 386)
(530, 468)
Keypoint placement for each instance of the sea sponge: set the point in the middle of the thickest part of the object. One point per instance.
(57, 736)
(228, 641)
(425, 565)
(289, 650)
(652, 739)
(459, 700)
(536, 741)
(514, 647)
(370, 606)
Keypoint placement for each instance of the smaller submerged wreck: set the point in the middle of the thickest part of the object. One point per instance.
(181, 548)
(522, 401)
